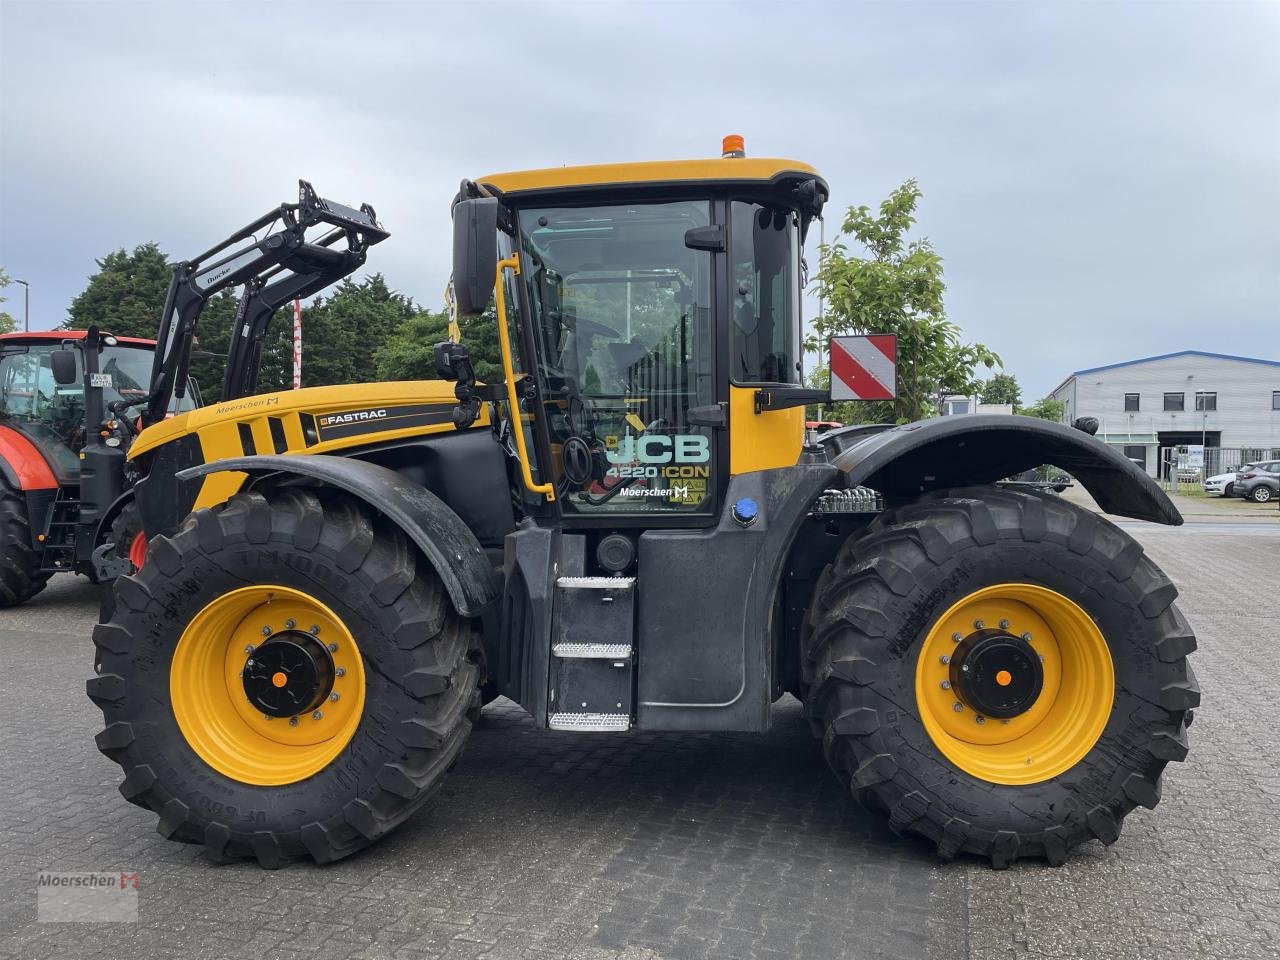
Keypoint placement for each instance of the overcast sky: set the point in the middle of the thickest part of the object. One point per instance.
(1102, 180)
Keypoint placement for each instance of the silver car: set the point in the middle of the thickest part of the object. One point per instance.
(1259, 482)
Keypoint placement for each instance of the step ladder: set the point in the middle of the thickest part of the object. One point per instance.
(592, 655)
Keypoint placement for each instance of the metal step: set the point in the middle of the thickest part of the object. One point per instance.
(593, 651)
(595, 583)
(590, 722)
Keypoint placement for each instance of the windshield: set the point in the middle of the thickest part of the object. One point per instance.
(621, 323)
(53, 413)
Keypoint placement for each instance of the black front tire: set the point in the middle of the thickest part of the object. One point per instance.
(876, 603)
(420, 665)
(1260, 494)
(20, 574)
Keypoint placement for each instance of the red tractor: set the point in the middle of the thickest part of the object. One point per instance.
(57, 443)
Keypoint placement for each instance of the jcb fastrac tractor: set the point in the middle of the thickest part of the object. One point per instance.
(66, 498)
(628, 532)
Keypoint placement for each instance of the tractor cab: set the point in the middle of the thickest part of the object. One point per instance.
(61, 441)
(51, 414)
(644, 309)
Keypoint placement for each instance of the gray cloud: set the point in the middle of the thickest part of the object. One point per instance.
(1103, 180)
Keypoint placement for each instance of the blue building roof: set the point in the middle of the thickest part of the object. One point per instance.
(1180, 353)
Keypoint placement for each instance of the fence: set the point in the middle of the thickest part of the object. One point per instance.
(1179, 468)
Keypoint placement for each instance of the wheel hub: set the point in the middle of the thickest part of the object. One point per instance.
(996, 673)
(289, 674)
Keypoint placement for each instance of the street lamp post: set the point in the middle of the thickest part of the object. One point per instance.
(26, 304)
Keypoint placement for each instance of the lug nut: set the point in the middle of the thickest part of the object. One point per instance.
(293, 721)
(266, 631)
(978, 624)
(944, 659)
(956, 638)
(340, 672)
(1005, 722)
(1042, 658)
(248, 648)
(1027, 636)
(1028, 761)
(979, 720)
(290, 623)
(333, 697)
(964, 668)
(313, 629)
(333, 648)
(946, 684)
(247, 663)
(1004, 624)
(317, 715)
(957, 706)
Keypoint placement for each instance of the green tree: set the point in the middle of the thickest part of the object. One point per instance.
(342, 335)
(1002, 388)
(126, 296)
(1045, 408)
(7, 323)
(897, 287)
(409, 353)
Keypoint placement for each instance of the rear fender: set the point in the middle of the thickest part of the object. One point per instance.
(960, 451)
(448, 544)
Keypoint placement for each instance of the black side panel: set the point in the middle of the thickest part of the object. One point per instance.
(467, 470)
(163, 500)
(38, 504)
(101, 483)
(709, 610)
(961, 451)
(447, 543)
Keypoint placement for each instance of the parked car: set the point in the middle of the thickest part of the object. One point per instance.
(1259, 482)
(1224, 484)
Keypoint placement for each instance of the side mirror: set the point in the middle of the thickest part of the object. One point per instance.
(63, 363)
(475, 254)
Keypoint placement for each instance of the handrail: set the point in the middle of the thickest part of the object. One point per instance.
(509, 377)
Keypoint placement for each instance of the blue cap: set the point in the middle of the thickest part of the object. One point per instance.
(745, 511)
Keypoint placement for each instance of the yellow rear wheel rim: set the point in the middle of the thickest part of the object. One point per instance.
(1065, 720)
(216, 717)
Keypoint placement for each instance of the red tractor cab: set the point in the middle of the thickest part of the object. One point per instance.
(61, 449)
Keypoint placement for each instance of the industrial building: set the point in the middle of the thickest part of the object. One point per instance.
(1189, 399)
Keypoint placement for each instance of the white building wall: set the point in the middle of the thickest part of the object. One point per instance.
(1244, 416)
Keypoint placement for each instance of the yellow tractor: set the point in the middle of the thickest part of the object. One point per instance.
(630, 531)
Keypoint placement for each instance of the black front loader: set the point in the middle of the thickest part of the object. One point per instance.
(284, 265)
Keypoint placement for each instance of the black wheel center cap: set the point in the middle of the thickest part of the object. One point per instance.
(996, 674)
(289, 674)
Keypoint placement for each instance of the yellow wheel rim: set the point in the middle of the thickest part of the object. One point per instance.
(214, 712)
(1067, 717)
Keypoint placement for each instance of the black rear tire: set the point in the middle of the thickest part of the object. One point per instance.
(1260, 494)
(20, 574)
(420, 667)
(876, 603)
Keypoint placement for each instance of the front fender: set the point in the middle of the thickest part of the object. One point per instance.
(448, 544)
(959, 451)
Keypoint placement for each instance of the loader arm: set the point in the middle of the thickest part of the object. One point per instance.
(242, 258)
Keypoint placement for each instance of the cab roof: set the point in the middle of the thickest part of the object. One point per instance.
(44, 336)
(716, 171)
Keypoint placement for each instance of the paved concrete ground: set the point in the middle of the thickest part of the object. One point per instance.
(550, 845)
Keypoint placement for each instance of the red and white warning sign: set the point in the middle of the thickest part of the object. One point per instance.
(864, 367)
